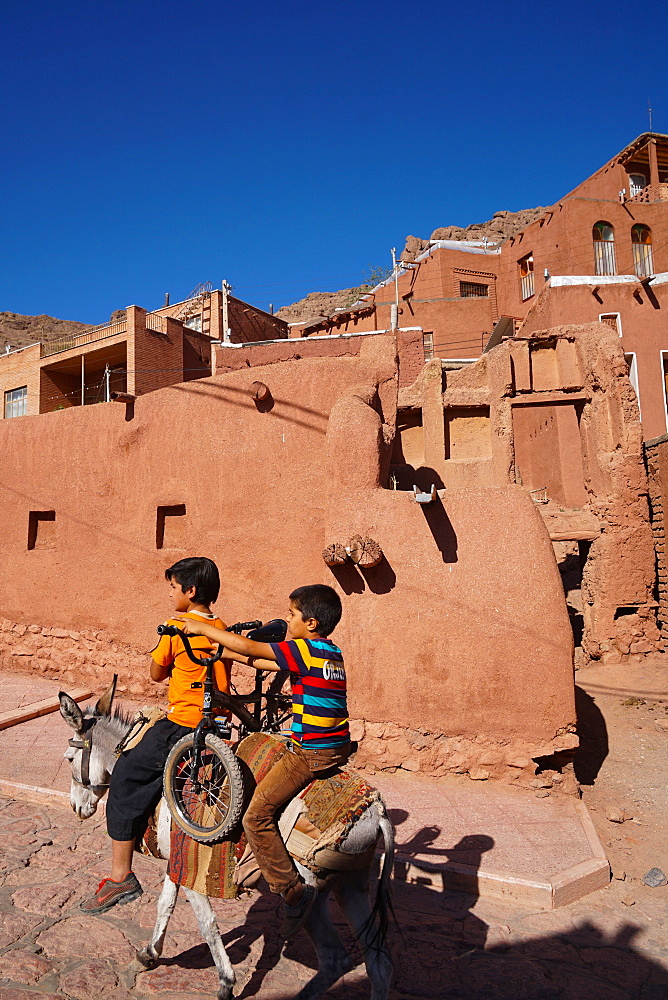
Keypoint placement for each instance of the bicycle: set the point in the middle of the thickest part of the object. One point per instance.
(203, 782)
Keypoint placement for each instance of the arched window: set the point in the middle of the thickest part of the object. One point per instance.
(527, 286)
(604, 249)
(637, 183)
(641, 239)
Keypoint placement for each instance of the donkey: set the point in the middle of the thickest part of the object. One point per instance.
(91, 753)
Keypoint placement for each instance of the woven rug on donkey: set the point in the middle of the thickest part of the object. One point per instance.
(208, 868)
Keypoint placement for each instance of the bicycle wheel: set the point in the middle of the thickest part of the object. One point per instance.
(208, 803)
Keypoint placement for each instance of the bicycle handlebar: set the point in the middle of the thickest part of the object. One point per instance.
(273, 631)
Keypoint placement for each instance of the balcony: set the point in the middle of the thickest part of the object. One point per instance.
(651, 193)
(82, 339)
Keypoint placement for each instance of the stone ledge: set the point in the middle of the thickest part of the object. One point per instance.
(546, 894)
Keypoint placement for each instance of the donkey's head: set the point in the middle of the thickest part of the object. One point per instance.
(91, 749)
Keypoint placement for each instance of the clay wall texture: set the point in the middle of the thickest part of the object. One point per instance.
(642, 314)
(464, 590)
(552, 410)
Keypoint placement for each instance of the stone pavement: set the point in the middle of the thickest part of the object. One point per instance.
(518, 845)
(448, 946)
(610, 945)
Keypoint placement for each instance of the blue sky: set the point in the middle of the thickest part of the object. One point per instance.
(286, 146)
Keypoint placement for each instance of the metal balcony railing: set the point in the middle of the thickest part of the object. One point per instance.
(81, 339)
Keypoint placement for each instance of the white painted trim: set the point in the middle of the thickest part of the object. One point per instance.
(323, 336)
(619, 319)
(633, 376)
(17, 350)
(563, 280)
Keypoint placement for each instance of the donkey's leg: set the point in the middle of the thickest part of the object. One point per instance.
(352, 895)
(333, 959)
(149, 955)
(208, 925)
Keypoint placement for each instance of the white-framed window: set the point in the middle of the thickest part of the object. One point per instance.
(604, 248)
(613, 320)
(428, 345)
(637, 183)
(194, 322)
(527, 286)
(16, 402)
(641, 241)
(633, 374)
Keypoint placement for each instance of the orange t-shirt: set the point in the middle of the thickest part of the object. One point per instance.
(185, 701)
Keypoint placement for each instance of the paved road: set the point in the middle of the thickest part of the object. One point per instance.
(451, 947)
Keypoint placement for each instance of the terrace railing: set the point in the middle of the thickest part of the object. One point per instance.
(80, 339)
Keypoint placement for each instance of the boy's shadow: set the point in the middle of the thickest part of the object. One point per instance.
(444, 951)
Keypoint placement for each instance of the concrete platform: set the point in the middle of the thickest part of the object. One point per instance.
(482, 838)
(493, 841)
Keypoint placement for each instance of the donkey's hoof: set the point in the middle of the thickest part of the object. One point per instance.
(146, 959)
(225, 993)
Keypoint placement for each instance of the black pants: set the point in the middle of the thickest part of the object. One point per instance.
(136, 781)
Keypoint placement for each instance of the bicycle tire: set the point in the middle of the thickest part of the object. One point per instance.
(211, 813)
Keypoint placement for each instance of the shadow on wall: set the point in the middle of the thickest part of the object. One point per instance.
(442, 950)
(353, 579)
(404, 478)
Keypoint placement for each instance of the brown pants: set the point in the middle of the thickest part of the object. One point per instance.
(288, 776)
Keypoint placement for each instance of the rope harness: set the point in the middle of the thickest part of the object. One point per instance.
(84, 742)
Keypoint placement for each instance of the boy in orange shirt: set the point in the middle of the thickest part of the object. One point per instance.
(135, 786)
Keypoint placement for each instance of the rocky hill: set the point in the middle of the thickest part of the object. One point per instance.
(20, 331)
(497, 230)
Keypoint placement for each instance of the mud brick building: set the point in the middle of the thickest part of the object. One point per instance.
(136, 353)
(600, 254)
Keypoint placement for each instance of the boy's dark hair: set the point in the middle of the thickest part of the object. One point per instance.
(197, 572)
(320, 602)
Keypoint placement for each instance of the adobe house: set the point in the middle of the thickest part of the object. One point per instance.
(552, 410)
(467, 583)
(597, 255)
(135, 353)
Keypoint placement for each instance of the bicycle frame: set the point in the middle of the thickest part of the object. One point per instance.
(275, 631)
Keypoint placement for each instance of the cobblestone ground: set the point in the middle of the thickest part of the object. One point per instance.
(609, 946)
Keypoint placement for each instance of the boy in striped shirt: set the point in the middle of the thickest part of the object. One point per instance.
(320, 737)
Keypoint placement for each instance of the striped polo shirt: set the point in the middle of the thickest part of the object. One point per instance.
(318, 676)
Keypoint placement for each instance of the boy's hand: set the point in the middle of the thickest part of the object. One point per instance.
(191, 627)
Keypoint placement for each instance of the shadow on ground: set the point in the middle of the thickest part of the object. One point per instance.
(443, 951)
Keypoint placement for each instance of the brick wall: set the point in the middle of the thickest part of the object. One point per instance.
(17, 369)
(155, 358)
(196, 355)
(58, 390)
(656, 460)
(248, 323)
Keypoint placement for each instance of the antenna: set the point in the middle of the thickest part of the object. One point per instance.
(649, 112)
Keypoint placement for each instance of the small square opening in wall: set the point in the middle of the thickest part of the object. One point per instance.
(41, 529)
(170, 526)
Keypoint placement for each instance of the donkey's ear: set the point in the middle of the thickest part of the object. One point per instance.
(103, 706)
(70, 711)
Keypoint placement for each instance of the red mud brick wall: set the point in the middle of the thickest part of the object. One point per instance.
(458, 646)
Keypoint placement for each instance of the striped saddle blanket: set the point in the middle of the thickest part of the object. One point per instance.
(313, 826)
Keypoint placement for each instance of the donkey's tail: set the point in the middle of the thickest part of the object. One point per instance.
(382, 907)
